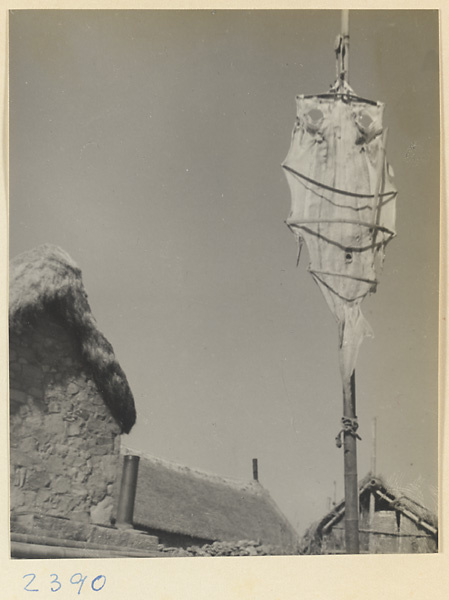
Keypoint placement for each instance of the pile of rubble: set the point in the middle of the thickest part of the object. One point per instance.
(241, 548)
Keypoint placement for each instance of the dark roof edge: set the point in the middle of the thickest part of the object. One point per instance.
(47, 279)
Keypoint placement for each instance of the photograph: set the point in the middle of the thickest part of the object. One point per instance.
(224, 280)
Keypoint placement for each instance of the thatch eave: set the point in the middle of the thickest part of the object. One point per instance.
(189, 502)
(46, 279)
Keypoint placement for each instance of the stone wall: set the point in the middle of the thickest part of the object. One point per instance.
(64, 442)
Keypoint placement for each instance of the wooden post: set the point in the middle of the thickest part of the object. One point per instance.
(374, 449)
(350, 466)
(372, 498)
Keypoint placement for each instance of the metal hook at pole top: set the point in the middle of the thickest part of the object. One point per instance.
(342, 52)
(344, 73)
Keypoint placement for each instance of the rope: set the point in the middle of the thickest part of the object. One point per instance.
(366, 224)
(331, 289)
(336, 190)
(362, 279)
(292, 226)
(350, 426)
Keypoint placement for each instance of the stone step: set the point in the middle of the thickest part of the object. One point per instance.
(68, 529)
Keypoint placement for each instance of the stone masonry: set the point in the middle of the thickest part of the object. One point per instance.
(64, 442)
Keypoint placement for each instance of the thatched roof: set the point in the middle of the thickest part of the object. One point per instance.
(180, 500)
(421, 516)
(47, 279)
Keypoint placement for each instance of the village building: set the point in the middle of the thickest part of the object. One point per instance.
(186, 507)
(69, 398)
(388, 524)
(69, 404)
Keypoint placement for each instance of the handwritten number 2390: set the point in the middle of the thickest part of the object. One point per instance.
(96, 584)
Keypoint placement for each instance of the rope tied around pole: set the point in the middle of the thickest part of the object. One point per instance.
(350, 426)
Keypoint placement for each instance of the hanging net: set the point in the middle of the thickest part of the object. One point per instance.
(343, 203)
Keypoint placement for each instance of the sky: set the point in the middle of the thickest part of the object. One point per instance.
(148, 145)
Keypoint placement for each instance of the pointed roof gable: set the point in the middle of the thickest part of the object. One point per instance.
(423, 518)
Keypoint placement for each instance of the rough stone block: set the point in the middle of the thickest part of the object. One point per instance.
(36, 479)
(80, 515)
(21, 522)
(55, 464)
(61, 485)
(61, 504)
(83, 397)
(28, 445)
(76, 444)
(54, 424)
(30, 497)
(53, 392)
(96, 496)
(64, 528)
(102, 450)
(117, 444)
(109, 467)
(54, 406)
(62, 450)
(82, 414)
(126, 538)
(72, 389)
(79, 475)
(74, 460)
(17, 498)
(43, 496)
(73, 429)
(79, 491)
(104, 440)
(102, 512)
(23, 459)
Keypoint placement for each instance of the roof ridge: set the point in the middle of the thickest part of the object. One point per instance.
(250, 485)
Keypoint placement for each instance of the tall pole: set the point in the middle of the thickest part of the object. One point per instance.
(349, 410)
(372, 499)
(374, 448)
(350, 466)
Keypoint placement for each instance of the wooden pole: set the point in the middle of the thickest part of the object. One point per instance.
(372, 498)
(350, 467)
(374, 449)
(349, 411)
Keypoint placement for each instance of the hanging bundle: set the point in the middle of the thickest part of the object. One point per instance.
(343, 201)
